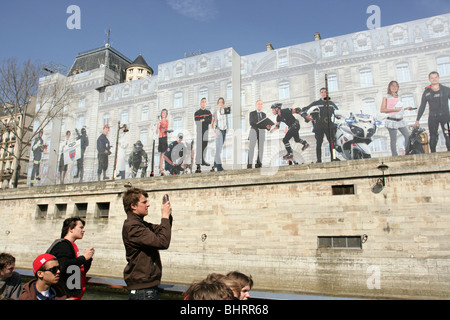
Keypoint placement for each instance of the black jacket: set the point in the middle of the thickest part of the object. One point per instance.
(65, 253)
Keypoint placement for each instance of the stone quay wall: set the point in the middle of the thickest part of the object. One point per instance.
(275, 224)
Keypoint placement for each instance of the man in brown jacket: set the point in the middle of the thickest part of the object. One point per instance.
(142, 241)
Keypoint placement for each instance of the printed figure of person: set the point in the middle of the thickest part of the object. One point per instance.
(394, 109)
(38, 147)
(161, 131)
(175, 155)
(436, 96)
(62, 166)
(138, 160)
(257, 136)
(203, 119)
(219, 126)
(287, 116)
(320, 124)
(124, 143)
(104, 150)
(84, 143)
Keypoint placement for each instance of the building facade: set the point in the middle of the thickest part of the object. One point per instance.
(14, 143)
(358, 68)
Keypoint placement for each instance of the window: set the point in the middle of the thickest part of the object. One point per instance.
(60, 210)
(179, 71)
(203, 93)
(443, 66)
(283, 89)
(242, 97)
(177, 125)
(124, 117)
(229, 91)
(340, 242)
(369, 107)
(282, 59)
(81, 210)
(82, 103)
(80, 121)
(143, 136)
(41, 211)
(343, 190)
(366, 78)
(178, 100)
(144, 114)
(403, 74)
(333, 82)
(102, 210)
(106, 117)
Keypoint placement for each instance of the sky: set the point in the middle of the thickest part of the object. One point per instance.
(165, 30)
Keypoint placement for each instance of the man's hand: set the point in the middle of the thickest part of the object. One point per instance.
(166, 210)
(89, 253)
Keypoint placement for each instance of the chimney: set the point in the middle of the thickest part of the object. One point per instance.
(269, 46)
(317, 36)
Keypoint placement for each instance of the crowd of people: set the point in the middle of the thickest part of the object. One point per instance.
(61, 272)
(178, 156)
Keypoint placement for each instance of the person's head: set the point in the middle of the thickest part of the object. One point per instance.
(106, 129)
(393, 87)
(164, 113)
(246, 283)
(276, 108)
(220, 102)
(68, 133)
(180, 137)
(209, 290)
(323, 93)
(73, 228)
(46, 269)
(230, 283)
(203, 103)
(7, 265)
(41, 133)
(135, 201)
(259, 105)
(433, 77)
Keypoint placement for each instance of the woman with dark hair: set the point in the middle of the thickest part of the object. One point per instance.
(394, 108)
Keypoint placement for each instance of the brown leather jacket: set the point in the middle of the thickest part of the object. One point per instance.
(142, 241)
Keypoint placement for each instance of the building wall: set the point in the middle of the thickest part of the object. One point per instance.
(267, 223)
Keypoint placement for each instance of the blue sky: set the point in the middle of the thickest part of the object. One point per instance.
(164, 30)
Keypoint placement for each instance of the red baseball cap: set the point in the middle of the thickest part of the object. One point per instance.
(41, 260)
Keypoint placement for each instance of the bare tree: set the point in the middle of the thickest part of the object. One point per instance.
(20, 86)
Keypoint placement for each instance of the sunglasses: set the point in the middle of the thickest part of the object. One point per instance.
(53, 270)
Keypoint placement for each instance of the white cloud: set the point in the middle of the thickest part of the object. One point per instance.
(200, 10)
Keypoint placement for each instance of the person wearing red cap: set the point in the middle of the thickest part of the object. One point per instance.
(45, 286)
(104, 150)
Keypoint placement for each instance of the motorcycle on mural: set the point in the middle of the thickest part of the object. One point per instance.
(354, 134)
